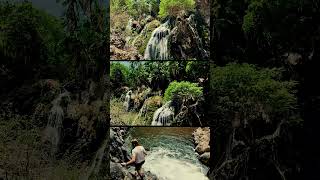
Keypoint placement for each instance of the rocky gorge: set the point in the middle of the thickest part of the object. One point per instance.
(119, 153)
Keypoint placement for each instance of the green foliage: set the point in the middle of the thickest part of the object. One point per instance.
(253, 93)
(28, 37)
(119, 74)
(175, 7)
(158, 74)
(197, 69)
(138, 8)
(137, 75)
(117, 5)
(183, 90)
(87, 35)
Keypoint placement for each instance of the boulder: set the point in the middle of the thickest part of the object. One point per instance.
(202, 139)
(117, 172)
(204, 158)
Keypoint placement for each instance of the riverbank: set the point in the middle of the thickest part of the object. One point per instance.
(119, 153)
(202, 141)
(171, 153)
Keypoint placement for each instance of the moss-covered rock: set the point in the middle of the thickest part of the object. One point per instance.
(141, 41)
(149, 107)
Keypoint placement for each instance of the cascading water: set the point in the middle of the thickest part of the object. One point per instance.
(170, 154)
(55, 119)
(157, 47)
(163, 116)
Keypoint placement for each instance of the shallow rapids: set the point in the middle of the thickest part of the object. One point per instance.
(170, 151)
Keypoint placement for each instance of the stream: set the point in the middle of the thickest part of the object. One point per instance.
(170, 151)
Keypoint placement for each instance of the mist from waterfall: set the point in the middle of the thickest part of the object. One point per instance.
(157, 47)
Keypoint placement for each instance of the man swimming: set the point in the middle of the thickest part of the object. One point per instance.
(138, 157)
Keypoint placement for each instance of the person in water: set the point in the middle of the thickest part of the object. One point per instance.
(138, 157)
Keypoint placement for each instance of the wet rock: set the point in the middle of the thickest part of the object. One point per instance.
(142, 39)
(117, 172)
(204, 158)
(293, 58)
(119, 154)
(150, 105)
(117, 151)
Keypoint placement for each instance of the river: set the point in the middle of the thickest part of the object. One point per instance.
(170, 151)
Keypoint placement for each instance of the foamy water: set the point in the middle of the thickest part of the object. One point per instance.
(171, 154)
(164, 164)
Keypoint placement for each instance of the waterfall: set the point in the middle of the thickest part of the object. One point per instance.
(163, 116)
(55, 119)
(157, 47)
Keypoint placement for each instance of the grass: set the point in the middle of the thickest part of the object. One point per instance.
(23, 154)
(120, 117)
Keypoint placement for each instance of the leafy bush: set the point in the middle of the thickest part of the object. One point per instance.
(119, 74)
(183, 90)
(175, 7)
(242, 90)
(117, 5)
(138, 8)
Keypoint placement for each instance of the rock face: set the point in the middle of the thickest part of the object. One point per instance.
(119, 154)
(128, 53)
(202, 140)
(185, 41)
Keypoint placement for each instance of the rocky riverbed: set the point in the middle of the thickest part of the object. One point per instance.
(119, 154)
(202, 141)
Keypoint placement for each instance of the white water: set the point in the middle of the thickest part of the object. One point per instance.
(55, 119)
(170, 152)
(163, 163)
(163, 116)
(157, 47)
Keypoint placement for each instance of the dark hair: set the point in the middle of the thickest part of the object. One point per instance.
(135, 143)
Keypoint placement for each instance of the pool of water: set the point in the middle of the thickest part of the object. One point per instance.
(170, 151)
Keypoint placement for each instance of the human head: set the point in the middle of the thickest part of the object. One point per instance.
(134, 143)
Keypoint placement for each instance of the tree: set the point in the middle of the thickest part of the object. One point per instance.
(175, 7)
(253, 112)
(183, 90)
(119, 75)
(87, 37)
(245, 92)
(29, 40)
(138, 8)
